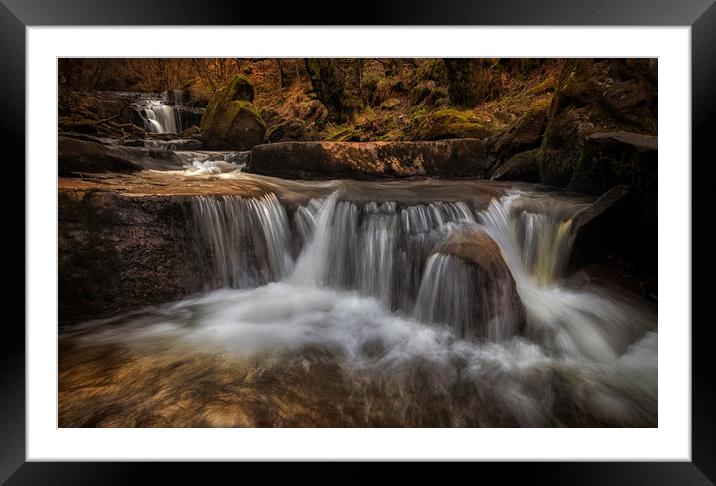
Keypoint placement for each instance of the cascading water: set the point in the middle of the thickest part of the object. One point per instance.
(376, 249)
(591, 323)
(247, 240)
(350, 313)
(161, 116)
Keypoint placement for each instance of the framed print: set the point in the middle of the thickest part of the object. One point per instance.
(462, 234)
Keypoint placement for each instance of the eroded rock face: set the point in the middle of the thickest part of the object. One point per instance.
(495, 309)
(447, 158)
(118, 252)
(231, 122)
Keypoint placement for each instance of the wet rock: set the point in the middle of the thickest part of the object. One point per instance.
(118, 253)
(359, 160)
(190, 115)
(84, 156)
(191, 131)
(592, 213)
(520, 167)
(231, 122)
(77, 156)
(609, 227)
(496, 308)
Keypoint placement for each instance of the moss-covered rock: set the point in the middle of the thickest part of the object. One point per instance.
(596, 95)
(231, 122)
(524, 134)
(520, 167)
(445, 123)
(287, 131)
(337, 84)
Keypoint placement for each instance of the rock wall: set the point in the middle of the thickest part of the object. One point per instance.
(600, 132)
(118, 252)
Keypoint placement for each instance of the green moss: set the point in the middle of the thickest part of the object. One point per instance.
(445, 123)
(230, 109)
(542, 87)
(239, 89)
(344, 133)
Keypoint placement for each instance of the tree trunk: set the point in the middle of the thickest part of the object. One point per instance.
(337, 85)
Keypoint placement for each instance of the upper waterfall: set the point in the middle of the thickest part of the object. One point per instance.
(161, 115)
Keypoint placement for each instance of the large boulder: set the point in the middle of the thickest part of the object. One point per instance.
(596, 95)
(76, 156)
(360, 160)
(494, 310)
(231, 122)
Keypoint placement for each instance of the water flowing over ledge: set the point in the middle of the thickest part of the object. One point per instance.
(353, 290)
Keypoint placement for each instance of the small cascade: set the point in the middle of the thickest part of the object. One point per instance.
(205, 163)
(401, 257)
(447, 294)
(589, 322)
(162, 115)
(534, 233)
(242, 242)
(376, 249)
(459, 317)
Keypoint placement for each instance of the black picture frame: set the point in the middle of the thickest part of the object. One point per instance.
(16, 15)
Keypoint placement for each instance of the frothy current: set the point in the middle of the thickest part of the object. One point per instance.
(348, 313)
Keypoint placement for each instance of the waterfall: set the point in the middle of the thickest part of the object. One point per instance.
(376, 249)
(418, 314)
(590, 322)
(394, 254)
(161, 116)
(243, 242)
